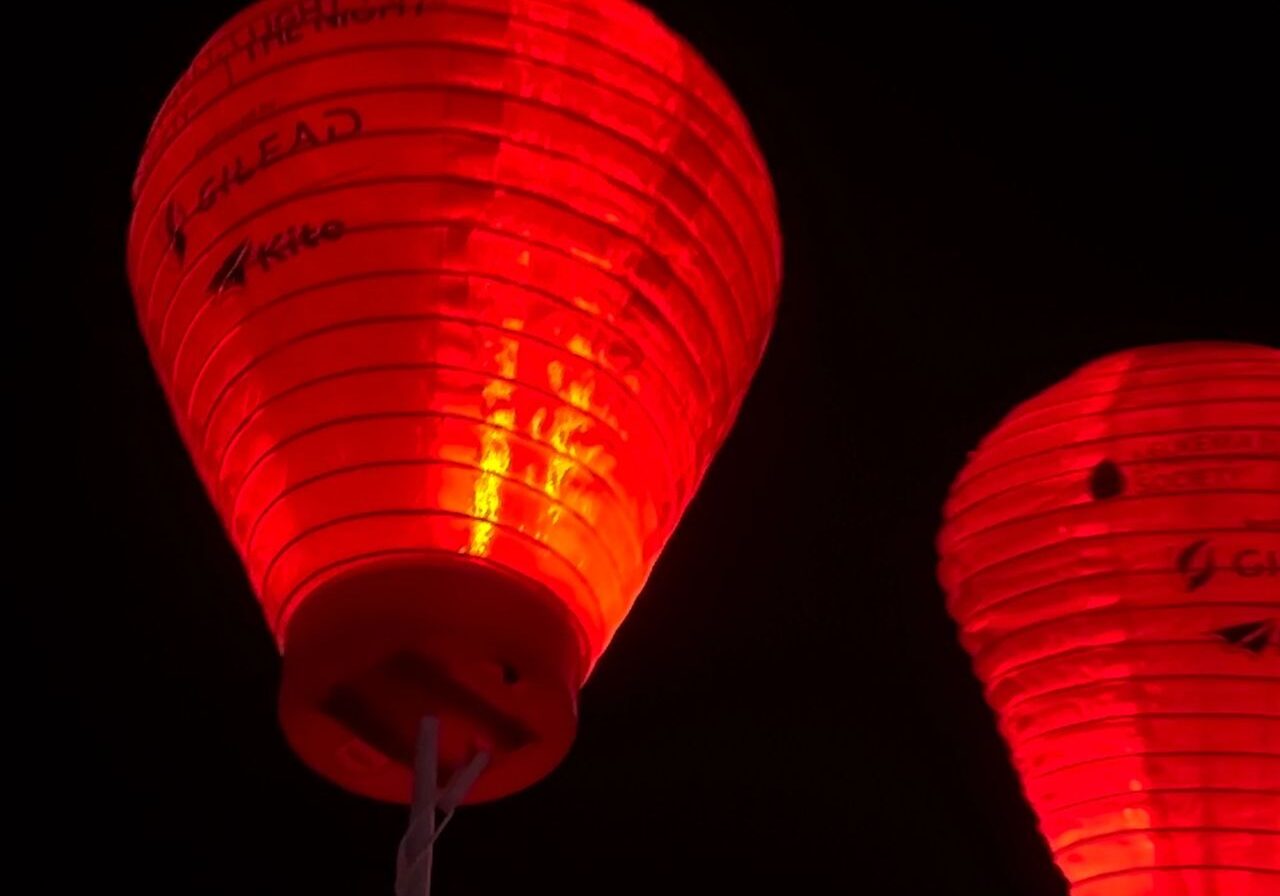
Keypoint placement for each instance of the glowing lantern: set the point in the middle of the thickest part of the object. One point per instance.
(453, 303)
(1112, 556)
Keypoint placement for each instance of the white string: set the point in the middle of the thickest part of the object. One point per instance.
(432, 810)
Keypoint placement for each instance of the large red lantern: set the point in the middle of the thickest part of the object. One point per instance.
(1112, 556)
(453, 303)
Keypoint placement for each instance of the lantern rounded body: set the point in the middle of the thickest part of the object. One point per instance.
(453, 304)
(1111, 554)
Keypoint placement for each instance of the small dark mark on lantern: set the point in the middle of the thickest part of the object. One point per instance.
(1106, 481)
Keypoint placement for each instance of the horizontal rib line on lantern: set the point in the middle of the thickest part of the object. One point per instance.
(977, 612)
(1118, 646)
(205, 425)
(482, 424)
(708, 324)
(250, 415)
(278, 622)
(555, 298)
(477, 422)
(226, 448)
(1137, 678)
(397, 180)
(1041, 774)
(1085, 506)
(1067, 399)
(1078, 472)
(158, 145)
(355, 372)
(1130, 794)
(711, 109)
(369, 322)
(522, 336)
(992, 645)
(712, 114)
(967, 478)
(266, 13)
(1131, 368)
(1203, 829)
(390, 320)
(442, 223)
(1240, 355)
(410, 462)
(1127, 410)
(338, 472)
(1076, 540)
(1025, 736)
(652, 310)
(655, 155)
(1148, 869)
(508, 529)
(617, 232)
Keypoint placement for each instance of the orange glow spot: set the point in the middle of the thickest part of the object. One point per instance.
(495, 449)
(555, 375)
(495, 460)
(581, 346)
(579, 393)
(603, 264)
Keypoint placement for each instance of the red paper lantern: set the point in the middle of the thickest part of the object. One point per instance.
(453, 303)
(1112, 557)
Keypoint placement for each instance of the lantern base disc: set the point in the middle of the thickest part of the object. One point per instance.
(490, 654)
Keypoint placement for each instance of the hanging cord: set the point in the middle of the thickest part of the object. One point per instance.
(433, 807)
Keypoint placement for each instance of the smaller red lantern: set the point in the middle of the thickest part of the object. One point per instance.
(1111, 554)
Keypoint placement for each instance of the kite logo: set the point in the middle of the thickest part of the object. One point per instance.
(1252, 636)
(1195, 563)
(286, 245)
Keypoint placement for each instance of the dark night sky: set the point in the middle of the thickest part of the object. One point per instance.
(972, 205)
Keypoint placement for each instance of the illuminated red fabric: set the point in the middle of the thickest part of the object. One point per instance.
(487, 278)
(1111, 554)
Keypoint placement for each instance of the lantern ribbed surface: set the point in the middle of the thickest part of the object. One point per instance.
(475, 284)
(1111, 554)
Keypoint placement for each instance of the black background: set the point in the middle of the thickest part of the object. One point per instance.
(973, 204)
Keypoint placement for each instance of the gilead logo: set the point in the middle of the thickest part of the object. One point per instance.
(331, 126)
(1198, 563)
